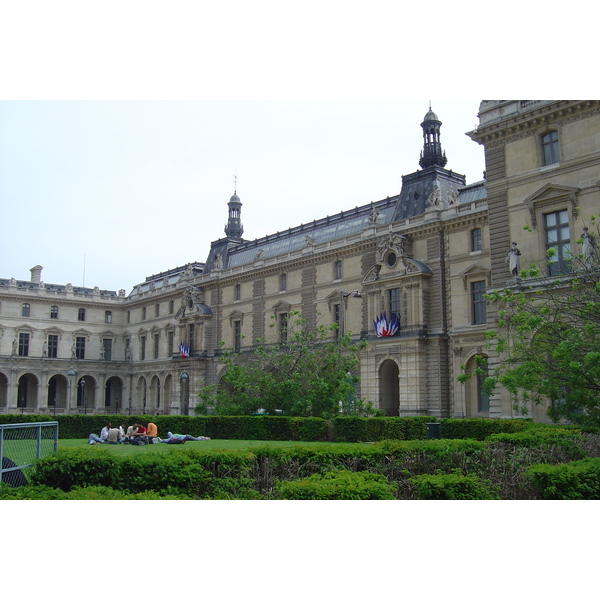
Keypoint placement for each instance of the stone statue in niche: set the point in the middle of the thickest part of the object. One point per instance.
(513, 258)
(45, 350)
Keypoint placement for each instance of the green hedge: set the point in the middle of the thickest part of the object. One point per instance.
(452, 486)
(579, 480)
(337, 485)
(339, 429)
(479, 429)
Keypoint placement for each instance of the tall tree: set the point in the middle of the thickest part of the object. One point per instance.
(306, 375)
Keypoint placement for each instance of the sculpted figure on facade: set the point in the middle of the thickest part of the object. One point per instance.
(391, 242)
(14, 347)
(513, 258)
(373, 217)
(260, 255)
(453, 197)
(435, 196)
(588, 247)
(218, 262)
(73, 350)
(309, 241)
(45, 349)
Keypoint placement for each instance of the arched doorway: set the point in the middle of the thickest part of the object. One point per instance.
(58, 390)
(27, 392)
(3, 390)
(389, 390)
(141, 398)
(155, 400)
(477, 399)
(85, 394)
(167, 394)
(113, 395)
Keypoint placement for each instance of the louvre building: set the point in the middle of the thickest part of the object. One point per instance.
(421, 261)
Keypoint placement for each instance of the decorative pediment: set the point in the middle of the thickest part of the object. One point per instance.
(549, 194)
(476, 272)
(392, 246)
(236, 315)
(402, 266)
(281, 307)
(53, 331)
(192, 304)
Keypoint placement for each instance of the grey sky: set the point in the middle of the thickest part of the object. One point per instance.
(131, 188)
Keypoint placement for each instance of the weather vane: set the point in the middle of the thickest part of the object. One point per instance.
(235, 180)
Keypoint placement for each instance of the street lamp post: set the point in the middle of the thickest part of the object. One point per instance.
(71, 374)
(82, 393)
(184, 381)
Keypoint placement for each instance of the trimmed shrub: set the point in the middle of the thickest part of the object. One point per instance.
(479, 429)
(453, 486)
(578, 480)
(97, 492)
(337, 485)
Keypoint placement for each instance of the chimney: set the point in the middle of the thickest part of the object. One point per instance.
(36, 273)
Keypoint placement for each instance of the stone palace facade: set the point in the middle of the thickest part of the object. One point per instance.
(423, 258)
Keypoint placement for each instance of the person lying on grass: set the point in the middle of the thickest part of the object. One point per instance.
(179, 438)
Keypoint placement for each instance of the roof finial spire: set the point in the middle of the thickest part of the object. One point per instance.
(235, 180)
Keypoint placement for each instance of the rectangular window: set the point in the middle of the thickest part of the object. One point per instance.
(143, 348)
(476, 243)
(237, 292)
(170, 343)
(80, 348)
(156, 345)
(395, 301)
(283, 282)
(478, 302)
(192, 332)
(52, 346)
(171, 306)
(107, 316)
(550, 148)
(143, 313)
(237, 335)
(336, 319)
(157, 310)
(559, 242)
(81, 314)
(107, 347)
(337, 269)
(129, 316)
(54, 312)
(23, 344)
(283, 327)
(25, 309)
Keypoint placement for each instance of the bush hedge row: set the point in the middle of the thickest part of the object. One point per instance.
(340, 429)
(413, 469)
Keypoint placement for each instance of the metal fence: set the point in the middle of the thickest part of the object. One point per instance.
(21, 444)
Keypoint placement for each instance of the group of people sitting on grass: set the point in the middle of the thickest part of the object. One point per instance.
(139, 435)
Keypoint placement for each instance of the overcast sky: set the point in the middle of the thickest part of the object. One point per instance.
(126, 189)
(313, 105)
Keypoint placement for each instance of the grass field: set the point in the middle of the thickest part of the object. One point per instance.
(206, 445)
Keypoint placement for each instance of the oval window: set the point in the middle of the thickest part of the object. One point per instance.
(391, 259)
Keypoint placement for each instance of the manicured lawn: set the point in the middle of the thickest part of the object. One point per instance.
(206, 445)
